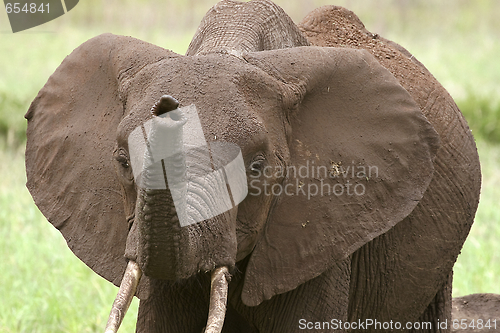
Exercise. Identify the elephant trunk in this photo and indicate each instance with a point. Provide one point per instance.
(168, 250)
(187, 196)
(160, 172)
(159, 233)
(185, 218)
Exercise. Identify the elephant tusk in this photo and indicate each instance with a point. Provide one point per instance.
(124, 297)
(218, 300)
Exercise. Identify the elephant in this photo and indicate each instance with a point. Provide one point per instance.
(476, 313)
(276, 178)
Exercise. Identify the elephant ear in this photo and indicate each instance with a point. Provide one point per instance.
(361, 158)
(71, 136)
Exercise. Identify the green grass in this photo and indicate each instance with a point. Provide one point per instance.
(45, 288)
(477, 268)
(12, 125)
(465, 67)
(483, 114)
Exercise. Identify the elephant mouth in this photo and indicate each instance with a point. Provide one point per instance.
(218, 298)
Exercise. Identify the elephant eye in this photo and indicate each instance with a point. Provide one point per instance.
(123, 161)
(257, 165)
(125, 169)
(122, 158)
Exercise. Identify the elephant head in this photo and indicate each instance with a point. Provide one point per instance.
(292, 158)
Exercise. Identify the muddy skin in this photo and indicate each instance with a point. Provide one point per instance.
(323, 93)
(456, 180)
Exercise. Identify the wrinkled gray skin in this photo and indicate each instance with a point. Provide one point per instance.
(325, 297)
(388, 258)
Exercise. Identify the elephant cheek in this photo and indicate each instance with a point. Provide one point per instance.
(167, 250)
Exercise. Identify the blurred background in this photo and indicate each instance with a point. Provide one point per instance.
(45, 288)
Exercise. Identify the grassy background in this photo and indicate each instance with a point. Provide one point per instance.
(47, 289)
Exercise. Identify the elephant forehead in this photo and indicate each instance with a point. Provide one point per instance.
(211, 83)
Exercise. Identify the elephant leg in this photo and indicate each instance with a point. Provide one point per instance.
(321, 301)
(175, 307)
(438, 312)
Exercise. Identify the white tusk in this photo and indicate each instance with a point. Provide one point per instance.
(124, 297)
(218, 300)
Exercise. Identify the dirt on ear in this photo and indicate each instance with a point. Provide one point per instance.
(334, 26)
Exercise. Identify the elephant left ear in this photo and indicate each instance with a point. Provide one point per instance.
(71, 137)
(361, 158)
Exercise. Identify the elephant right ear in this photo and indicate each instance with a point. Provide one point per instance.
(71, 136)
(360, 159)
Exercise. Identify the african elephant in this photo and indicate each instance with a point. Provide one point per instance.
(360, 175)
